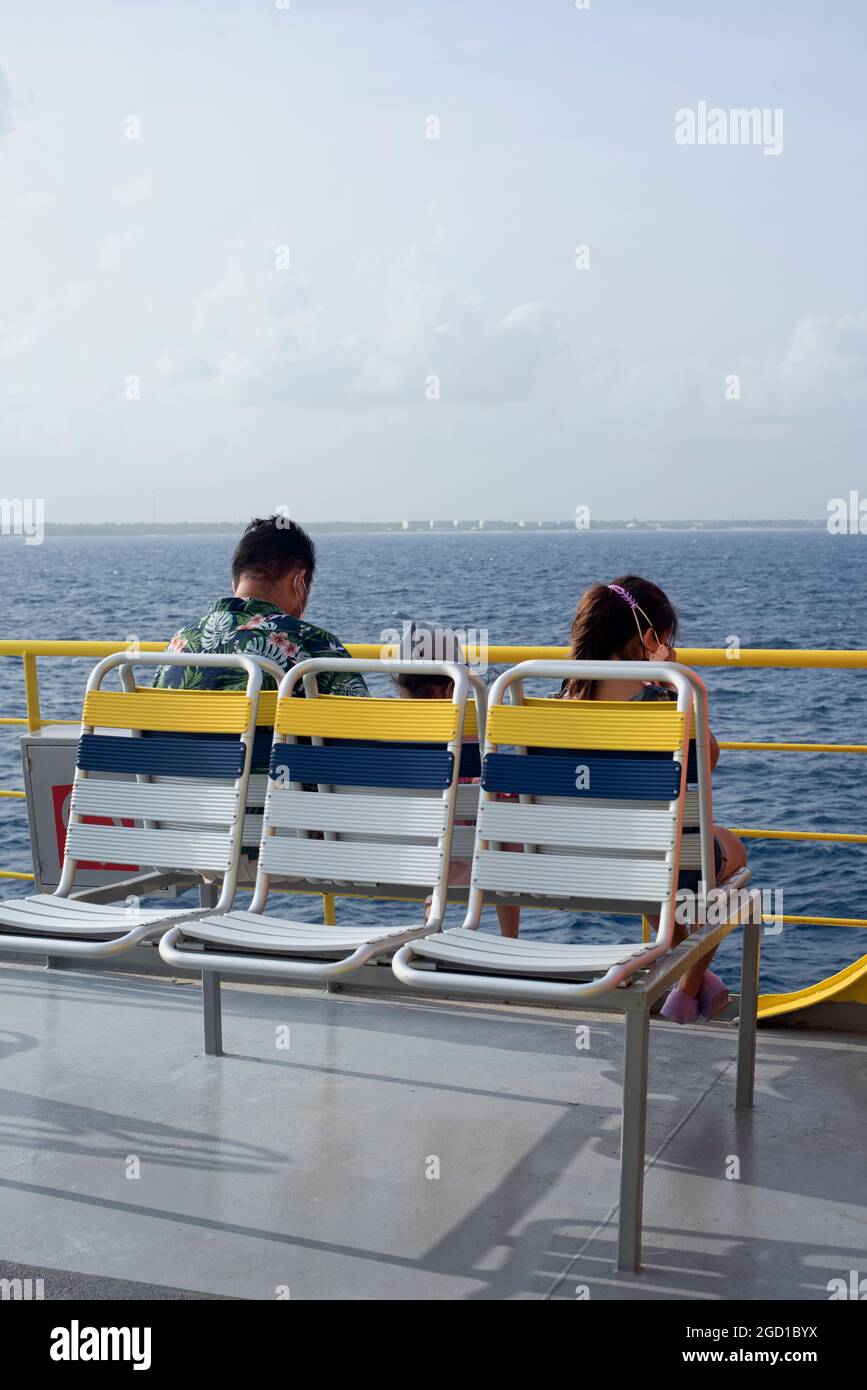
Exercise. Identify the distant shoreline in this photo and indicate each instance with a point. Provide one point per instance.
(226, 528)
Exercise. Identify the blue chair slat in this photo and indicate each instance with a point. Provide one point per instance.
(180, 755)
(262, 743)
(377, 765)
(642, 756)
(625, 777)
(471, 753)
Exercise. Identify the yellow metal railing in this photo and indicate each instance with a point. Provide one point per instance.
(752, 657)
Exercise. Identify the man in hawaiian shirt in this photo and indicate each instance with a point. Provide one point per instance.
(272, 570)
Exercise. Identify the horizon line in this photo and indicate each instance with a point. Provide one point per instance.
(449, 526)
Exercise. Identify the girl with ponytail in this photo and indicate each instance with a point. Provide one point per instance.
(631, 619)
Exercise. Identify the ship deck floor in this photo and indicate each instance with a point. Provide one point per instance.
(307, 1171)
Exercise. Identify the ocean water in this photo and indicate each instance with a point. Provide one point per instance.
(769, 589)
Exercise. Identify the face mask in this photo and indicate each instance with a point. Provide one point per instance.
(662, 653)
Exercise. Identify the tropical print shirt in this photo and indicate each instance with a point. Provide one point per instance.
(261, 629)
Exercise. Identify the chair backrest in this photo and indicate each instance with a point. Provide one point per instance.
(201, 740)
(385, 773)
(467, 797)
(690, 847)
(588, 804)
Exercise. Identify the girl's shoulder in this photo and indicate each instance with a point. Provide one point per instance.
(623, 690)
(618, 690)
(654, 690)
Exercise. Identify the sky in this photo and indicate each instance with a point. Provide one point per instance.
(325, 257)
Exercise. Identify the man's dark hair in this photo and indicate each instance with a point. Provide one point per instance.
(270, 547)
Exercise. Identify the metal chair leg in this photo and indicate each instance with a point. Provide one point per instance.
(213, 1013)
(212, 1010)
(750, 960)
(632, 1139)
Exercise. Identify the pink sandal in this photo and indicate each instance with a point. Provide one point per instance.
(680, 1007)
(713, 996)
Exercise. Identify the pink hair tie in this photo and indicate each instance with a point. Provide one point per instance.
(624, 594)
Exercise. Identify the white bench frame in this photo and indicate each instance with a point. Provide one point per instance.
(144, 925)
(631, 988)
(211, 960)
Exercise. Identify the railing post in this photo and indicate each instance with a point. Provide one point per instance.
(31, 692)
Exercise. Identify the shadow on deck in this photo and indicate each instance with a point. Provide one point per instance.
(406, 1149)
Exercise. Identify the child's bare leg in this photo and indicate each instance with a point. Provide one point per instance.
(510, 921)
(734, 857)
(734, 851)
(510, 917)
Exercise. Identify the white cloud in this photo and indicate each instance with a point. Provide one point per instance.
(178, 367)
(114, 250)
(822, 366)
(133, 191)
(5, 104)
(263, 333)
(826, 356)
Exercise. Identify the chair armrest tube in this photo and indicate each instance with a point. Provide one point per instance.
(77, 950)
(273, 966)
(512, 987)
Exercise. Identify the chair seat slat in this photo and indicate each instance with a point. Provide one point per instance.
(159, 848)
(477, 950)
(378, 815)
(582, 876)
(580, 826)
(154, 801)
(352, 861)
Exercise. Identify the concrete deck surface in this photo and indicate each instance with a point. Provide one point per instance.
(133, 1166)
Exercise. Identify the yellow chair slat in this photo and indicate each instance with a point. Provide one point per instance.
(267, 710)
(617, 724)
(651, 707)
(471, 722)
(181, 711)
(351, 716)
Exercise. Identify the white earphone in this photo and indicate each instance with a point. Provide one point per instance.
(303, 601)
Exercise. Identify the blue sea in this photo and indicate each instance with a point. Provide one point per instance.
(769, 589)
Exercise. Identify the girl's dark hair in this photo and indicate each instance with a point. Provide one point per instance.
(605, 625)
(270, 547)
(443, 644)
(425, 687)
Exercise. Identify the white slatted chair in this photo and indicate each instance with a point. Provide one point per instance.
(362, 838)
(466, 810)
(188, 828)
(602, 788)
